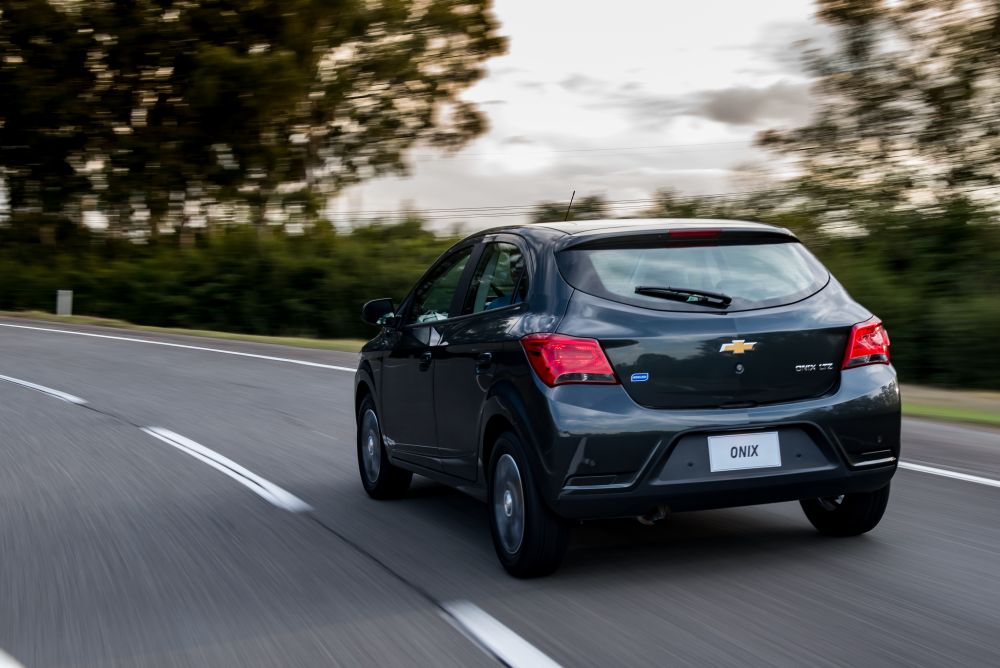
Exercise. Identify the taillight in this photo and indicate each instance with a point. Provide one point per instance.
(559, 359)
(869, 344)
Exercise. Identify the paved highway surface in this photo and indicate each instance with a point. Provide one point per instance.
(241, 536)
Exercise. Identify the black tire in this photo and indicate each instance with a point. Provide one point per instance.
(543, 535)
(847, 515)
(381, 479)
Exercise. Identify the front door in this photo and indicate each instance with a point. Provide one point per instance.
(408, 370)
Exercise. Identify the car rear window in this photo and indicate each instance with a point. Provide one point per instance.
(755, 274)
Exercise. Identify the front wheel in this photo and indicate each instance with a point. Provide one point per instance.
(381, 479)
(530, 540)
(847, 514)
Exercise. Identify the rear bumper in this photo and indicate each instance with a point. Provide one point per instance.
(602, 455)
(703, 495)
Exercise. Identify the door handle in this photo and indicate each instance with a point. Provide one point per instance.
(483, 361)
(425, 359)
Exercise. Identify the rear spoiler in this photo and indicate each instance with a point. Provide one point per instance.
(680, 236)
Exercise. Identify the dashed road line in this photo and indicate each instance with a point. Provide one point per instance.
(286, 360)
(265, 489)
(7, 661)
(45, 390)
(495, 638)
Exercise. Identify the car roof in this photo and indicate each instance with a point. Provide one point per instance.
(576, 227)
(583, 228)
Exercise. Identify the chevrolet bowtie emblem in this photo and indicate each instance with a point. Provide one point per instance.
(737, 346)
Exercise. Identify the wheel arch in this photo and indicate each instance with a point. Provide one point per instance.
(496, 425)
(505, 411)
(364, 386)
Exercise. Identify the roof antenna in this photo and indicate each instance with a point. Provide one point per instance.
(570, 206)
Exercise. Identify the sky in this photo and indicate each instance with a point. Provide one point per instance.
(618, 99)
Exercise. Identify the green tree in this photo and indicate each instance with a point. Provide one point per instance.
(908, 109)
(148, 110)
(592, 207)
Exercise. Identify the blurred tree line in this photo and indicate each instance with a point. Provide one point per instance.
(201, 131)
(229, 279)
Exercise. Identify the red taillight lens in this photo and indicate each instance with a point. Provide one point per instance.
(869, 344)
(559, 359)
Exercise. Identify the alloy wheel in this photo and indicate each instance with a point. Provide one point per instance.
(371, 445)
(508, 503)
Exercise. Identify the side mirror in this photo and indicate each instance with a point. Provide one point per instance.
(379, 312)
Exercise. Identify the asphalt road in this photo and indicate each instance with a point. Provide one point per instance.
(120, 549)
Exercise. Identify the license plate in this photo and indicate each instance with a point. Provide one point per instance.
(744, 451)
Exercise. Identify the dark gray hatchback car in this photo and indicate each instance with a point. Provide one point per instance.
(597, 369)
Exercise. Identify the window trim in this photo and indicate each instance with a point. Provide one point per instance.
(487, 242)
(479, 247)
(463, 282)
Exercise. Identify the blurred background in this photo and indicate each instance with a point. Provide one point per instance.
(267, 166)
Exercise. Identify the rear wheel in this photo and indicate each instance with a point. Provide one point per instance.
(530, 540)
(381, 479)
(847, 514)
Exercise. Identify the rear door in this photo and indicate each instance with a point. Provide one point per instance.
(408, 369)
(473, 343)
(710, 318)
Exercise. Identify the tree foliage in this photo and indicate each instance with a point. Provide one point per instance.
(907, 104)
(165, 111)
(233, 279)
(591, 207)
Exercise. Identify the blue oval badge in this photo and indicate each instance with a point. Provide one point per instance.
(640, 377)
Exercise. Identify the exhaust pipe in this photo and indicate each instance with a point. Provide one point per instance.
(653, 516)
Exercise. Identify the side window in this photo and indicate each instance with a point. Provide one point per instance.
(499, 279)
(432, 298)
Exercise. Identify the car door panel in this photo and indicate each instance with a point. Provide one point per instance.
(463, 375)
(466, 364)
(408, 416)
(407, 398)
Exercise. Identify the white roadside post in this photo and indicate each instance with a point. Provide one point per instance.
(64, 302)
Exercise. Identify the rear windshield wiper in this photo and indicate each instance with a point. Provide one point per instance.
(700, 297)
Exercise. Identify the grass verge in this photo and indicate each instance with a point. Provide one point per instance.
(346, 345)
(952, 413)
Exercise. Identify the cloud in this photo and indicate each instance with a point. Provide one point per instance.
(740, 106)
(744, 105)
(456, 181)
(647, 111)
(781, 45)
(581, 83)
(531, 85)
(516, 140)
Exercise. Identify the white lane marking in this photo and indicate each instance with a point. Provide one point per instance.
(7, 661)
(181, 345)
(945, 473)
(45, 390)
(487, 632)
(265, 489)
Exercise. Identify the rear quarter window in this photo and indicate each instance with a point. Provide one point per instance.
(755, 274)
